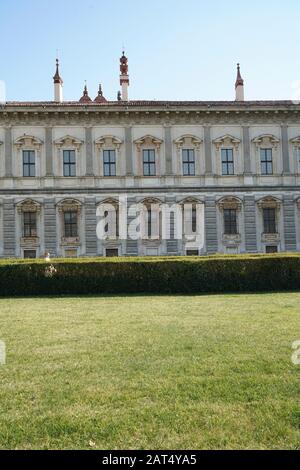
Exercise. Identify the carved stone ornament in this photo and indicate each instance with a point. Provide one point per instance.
(148, 140)
(266, 140)
(68, 141)
(188, 140)
(269, 203)
(230, 203)
(296, 142)
(69, 205)
(108, 141)
(28, 141)
(28, 206)
(227, 141)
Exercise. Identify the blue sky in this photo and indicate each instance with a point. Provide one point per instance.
(181, 50)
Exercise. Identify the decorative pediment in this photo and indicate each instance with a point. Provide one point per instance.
(28, 141)
(108, 141)
(68, 141)
(190, 200)
(295, 142)
(230, 202)
(69, 205)
(269, 202)
(227, 140)
(28, 205)
(266, 140)
(148, 201)
(148, 140)
(188, 140)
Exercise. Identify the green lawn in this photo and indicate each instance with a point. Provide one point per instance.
(202, 372)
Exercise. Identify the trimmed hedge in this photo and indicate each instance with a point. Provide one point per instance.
(214, 274)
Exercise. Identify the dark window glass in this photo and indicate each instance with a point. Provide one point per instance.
(149, 163)
(149, 222)
(70, 224)
(192, 252)
(188, 162)
(194, 219)
(109, 162)
(29, 224)
(227, 162)
(271, 249)
(112, 252)
(269, 215)
(266, 161)
(69, 161)
(28, 163)
(29, 254)
(230, 222)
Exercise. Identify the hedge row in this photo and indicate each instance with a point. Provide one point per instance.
(159, 275)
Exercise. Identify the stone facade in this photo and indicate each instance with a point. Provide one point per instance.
(250, 203)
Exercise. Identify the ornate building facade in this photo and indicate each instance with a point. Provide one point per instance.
(235, 164)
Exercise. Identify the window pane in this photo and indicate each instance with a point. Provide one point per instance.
(269, 216)
(230, 222)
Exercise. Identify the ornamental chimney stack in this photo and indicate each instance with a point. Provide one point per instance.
(124, 77)
(239, 86)
(58, 85)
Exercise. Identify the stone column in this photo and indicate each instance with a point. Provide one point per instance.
(90, 226)
(211, 234)
(168, 150)
(208, 151)
(285, 150)
(289, 223)
(9, 229)
(247, 153)
(50, 224)
(8, 152)
(49, 151)
(250, 224)
(128, 151)
(89, 151)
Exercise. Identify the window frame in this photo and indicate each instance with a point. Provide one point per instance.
(69, 165)
(29, 164)
(230, 223)
(187, 162)
(111, 165)
(268, 222)
(227, 163)
(30, 226)
(68, 226)
(149, 164)
(266, 163)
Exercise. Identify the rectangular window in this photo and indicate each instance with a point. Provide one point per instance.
(111, 252)
(69, 162)
(29, 254)
(29, 224)
(149, 163)
(266, 161)
(230, 222)
(71, 253)
(192, 252)
(227, 162)
(109, 162)
(28, 163)
(188, 162)
(269, 216)
(70, 224)
(271, 249)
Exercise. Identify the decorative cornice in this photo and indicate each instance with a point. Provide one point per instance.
(266, 139)
(269, 202)
(229, 202)
(148, 140)
(296, 142)
(188, 139)
(28, 205)
(28, 141)
(108, 141)
(68, 141)
(227, 140)
(69, 205)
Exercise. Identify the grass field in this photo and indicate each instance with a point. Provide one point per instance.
(200, 372)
